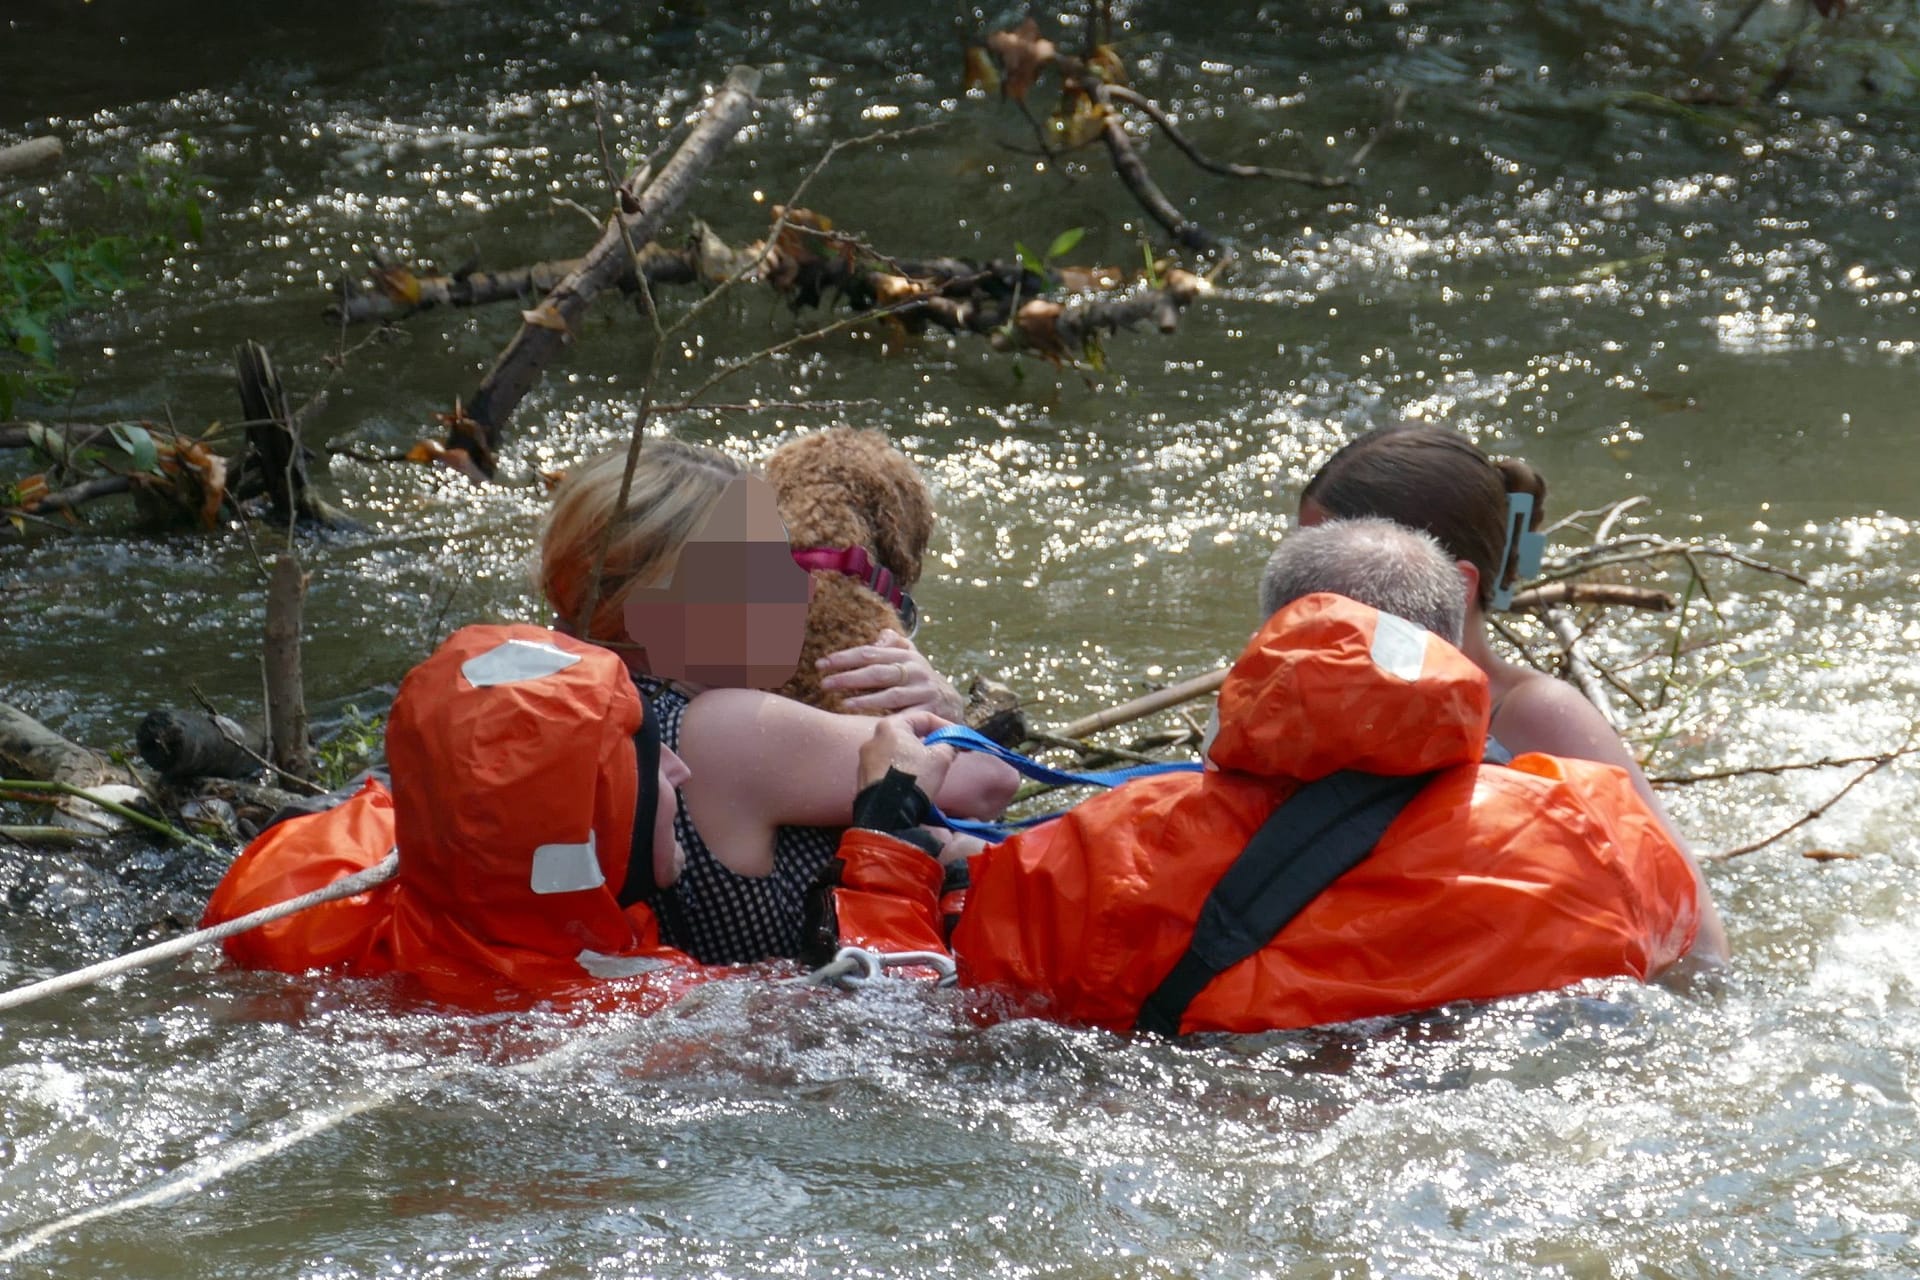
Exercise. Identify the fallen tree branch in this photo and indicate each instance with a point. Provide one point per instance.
(45, 792)
(397, 293)
(276, 458)
(1553, 594)
(29, 748)
(1155, 113)
(72, 498)
(31, 154)
(1133, 174)
(1147, 704)
(551, 324)
(1775, 770)
(1610, 555)
(1810, 814)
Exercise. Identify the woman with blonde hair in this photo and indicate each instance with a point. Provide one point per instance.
(684, 570)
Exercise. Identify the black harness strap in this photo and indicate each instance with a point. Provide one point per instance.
(1321, 832)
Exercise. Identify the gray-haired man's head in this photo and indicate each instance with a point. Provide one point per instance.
(1393, 568)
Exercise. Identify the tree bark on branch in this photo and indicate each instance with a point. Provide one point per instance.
(387, 302)
(548, 327)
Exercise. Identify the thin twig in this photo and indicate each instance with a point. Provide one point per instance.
(1774, 770)
(1653, 549)
(1155, 113)
(1809, 815)
(1381, 130)
(1719, 43)
(43, 792)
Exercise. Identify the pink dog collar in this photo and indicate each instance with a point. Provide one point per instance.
(858, 564)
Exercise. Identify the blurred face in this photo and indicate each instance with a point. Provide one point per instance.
(735, 613)
(669, 859)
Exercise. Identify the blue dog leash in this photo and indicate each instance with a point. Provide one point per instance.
(962, 738)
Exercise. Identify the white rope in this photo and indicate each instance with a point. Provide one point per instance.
(857, 966)
(290, 1131)
(345, 887)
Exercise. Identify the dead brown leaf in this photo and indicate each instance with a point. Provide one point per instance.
(1078, 121)
(980, 72)
(432, 451)
(1106, 60)
(1039, 325)
(545, 316)
(1024, 53)
(398, 283)
(28, 493)
(1088, 279)
(889, 289)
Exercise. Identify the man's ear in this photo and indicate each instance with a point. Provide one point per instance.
(1471, 576)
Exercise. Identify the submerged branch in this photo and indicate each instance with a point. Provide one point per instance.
(1158, 115)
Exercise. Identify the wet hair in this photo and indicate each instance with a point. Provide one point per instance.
(1434, 479)
(674, 486)
(1393, 568)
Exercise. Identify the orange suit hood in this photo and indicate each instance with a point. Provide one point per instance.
(1328, 684)
(512, 808)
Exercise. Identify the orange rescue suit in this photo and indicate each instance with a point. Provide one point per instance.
(1495, 880)
(514, 792)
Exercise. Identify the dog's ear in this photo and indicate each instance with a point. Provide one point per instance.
(903, 523)
(899, 507)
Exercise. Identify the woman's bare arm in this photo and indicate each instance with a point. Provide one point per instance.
(760, 761)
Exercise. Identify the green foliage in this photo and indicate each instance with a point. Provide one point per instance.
(1062, 244)
(47, 274)
(358, 743)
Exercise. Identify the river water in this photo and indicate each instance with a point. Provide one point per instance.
(1711, 307)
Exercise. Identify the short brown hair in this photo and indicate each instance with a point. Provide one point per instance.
(1434, 479)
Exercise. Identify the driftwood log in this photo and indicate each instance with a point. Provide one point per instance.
(549, 326)
(28, 749)
(31, 154)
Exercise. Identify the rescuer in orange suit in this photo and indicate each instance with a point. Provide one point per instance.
(1348, 852)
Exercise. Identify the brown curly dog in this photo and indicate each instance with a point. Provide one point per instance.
(861, 506)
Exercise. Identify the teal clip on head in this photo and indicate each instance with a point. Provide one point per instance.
(1523, 544)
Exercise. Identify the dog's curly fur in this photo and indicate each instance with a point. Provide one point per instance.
(849, 488)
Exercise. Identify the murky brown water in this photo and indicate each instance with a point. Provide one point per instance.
(1714, 309)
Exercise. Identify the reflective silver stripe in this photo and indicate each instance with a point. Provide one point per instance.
(1399, 647)
(601, 965)
(513, 660)
(566, 868)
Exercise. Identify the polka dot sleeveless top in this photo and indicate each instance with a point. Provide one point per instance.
(724, 917)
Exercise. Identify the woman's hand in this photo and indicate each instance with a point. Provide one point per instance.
(896, 744)
(889, 675)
